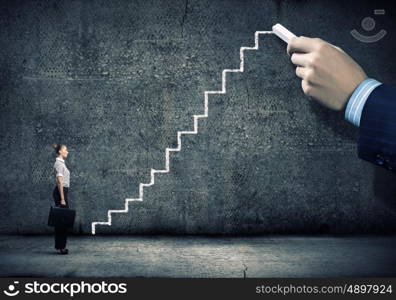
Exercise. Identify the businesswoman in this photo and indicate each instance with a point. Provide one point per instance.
(60, 193)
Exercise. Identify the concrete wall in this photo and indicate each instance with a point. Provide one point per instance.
(116, 80)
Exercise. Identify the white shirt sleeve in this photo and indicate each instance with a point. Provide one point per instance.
(358, 98)
(58, 170)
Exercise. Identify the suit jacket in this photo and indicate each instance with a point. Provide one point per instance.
(377, 131)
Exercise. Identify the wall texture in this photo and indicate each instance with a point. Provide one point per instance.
(116, 80)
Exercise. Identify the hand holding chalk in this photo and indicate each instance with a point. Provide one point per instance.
(328, 74)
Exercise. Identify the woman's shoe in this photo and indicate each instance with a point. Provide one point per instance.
(64, 251)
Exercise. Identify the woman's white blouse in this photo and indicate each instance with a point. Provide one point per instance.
(60, 169)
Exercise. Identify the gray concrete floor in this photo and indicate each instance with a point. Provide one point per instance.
(199, 256)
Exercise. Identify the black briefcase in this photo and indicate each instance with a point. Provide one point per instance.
(61, 216)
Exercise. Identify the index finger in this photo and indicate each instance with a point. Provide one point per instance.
(301, 44)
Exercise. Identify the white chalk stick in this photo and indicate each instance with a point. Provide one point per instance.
(282, 32)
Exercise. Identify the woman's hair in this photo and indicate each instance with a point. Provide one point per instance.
(57, 147)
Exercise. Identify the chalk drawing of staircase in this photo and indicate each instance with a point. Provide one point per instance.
(180, 133)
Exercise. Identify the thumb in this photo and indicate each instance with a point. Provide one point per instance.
(338, 48)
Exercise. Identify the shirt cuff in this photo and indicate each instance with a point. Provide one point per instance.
(59, 174)
(358, 98)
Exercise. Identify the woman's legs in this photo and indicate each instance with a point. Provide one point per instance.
(60, 237)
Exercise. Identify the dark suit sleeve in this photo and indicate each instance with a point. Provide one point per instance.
(377, 131)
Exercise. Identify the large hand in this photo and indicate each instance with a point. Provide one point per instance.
(328, 74)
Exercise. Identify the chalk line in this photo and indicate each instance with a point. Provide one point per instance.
(179, 133)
